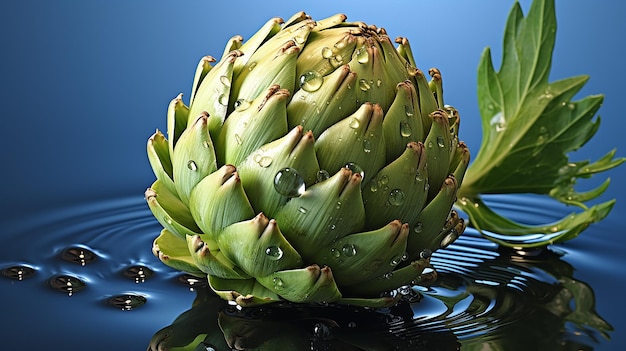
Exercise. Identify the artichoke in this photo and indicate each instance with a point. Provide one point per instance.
(314, 163)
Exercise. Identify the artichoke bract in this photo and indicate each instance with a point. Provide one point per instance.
(314, 163)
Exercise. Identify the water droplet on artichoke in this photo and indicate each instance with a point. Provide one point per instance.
(418, 227)
(224, 80)
(274, 252)
(252, 65)
(440, 141)
(223, 99)
(311, 81)
(302, 210)
(396, 197)
(361, 55)
(238, 139)
(288, 182)
(192, 165)
(205, 144)
(354, 123)
(405, 129)
(265, 161)
(335, 253)
(242, 104)
(348, 250)
(355, 168)
(167, 219)
(449, 238)
(278, 283)
(498, 122)
(395, 260)
(364, 85)
(367, 145)
(327, 52)
(408, 110)
(321, 330)
(373, 185)
(426, 253)
(322, 175)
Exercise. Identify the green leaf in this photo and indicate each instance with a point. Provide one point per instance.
(529, 127)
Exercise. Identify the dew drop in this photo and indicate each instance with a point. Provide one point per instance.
(379, 83)
(426, 253)
(311, 81)
(388, 275)
(335, 253)
(78, 255)
(167, 219)
(274, 253)
(348, 250)
(238, 139)
(288, 182)
(396, 197)
(396, 260)
(265, 161)
(225, 81)
(418, 227)
(223, 99)
(252, 65)
(364, 85)
(405, 129)
(491, 107)
(206, 144)
(301, 35)
(20, 272)
(352, 325)
(327, 52)
(303, 210)
(355, 168)
(354, 123)
(242, 105)
(571, 106)
(322, 175)
(127, 302)
(440, 141)
(66, 284)
(361, 55)
(367, 146)
(278, 283)
(430, 144)
(192, 165)
(419, 177)
(336, 61)
(321, 331)
(373, 185)
(449, 238)
(384, 180)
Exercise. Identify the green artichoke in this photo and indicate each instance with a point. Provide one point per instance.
(314, 163)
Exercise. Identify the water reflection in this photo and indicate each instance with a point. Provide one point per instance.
(485, 298)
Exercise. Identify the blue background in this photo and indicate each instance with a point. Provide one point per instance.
(83, 84)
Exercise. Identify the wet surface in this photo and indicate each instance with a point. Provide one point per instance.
(87, 273)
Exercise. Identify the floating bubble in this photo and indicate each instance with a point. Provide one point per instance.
(127, 302)
(19, 272)
(288, 182)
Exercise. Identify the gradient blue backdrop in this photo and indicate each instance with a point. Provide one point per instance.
(83, 84)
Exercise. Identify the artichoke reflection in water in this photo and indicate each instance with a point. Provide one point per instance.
(314, 163)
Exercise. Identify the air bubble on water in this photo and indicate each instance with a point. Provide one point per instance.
(192, 165)
(405, 129)
(127, 302)
(355, 168)
(78, 255)
(364, 85)
(288, 182)
(327, 52)
(311, 81)
(274, 253)
(348, 250)
(67, 284)
(396, 197)
(138, 273)
(19, 272)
